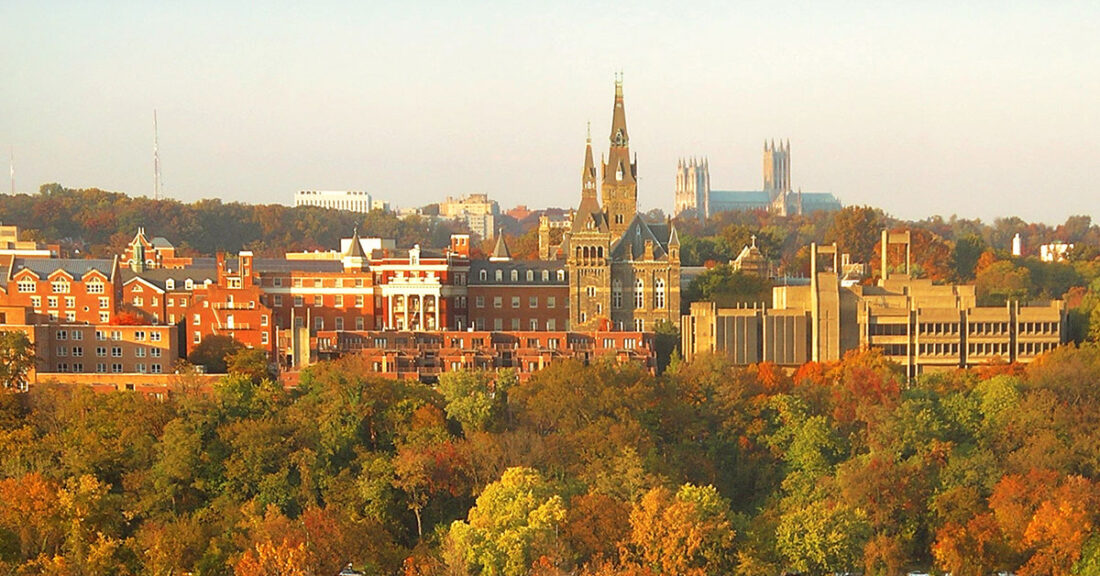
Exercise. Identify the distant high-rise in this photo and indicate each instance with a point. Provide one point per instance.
(350, 200)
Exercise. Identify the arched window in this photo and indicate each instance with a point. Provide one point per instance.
(515, 275)
(639, 293)
(483, 275)
(659, 294)
(530, 275)
(545, 275)
(499, 275)
(561, 275)
(616, 294)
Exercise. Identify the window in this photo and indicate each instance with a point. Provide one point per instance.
(154, 352)
(78, 335)
(263, 338)
(514, 275)
(51, 301)
(36, 301)
(189, 284)
(639, 324)
(100, 367)
(277, 281)
(318, 323)
(183, 302)
(116, 368)
(590, 291)
(639, 293)
(169, 284)
(498, 302)
(70, 302)
(70, 316)
(263, 320)
(139, 352)
(62, 351)
(104, 317)
(530, 275)
(298, 302)
(154, 368)
(196, 337)
(479, 301)
(551, 301)
(195, 320)
(318, 283)
(659, 293)
(60, 286)
(359, 323)
(277, 300)
(339, 301)
(104, 302)
(515, 323)
(498, 324)
(360, 301)
(584, 317)
(318, 300)
(534, 324)
(339, 323)
(154, 336)
(27, 286)
(101, 351)
(137, 288)
(62, 335)
(139, 335)
(616, 294)
(499, 275)
(116, 352)
(100, 335)
(515, 301)
(533, 302)
(481, 275)
(561, 275)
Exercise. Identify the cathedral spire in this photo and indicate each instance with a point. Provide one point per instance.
(619, 186)
(588, 173)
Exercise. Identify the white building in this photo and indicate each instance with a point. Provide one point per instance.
(351, 200)
(476, 210)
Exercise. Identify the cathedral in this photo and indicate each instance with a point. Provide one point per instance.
(624, 272)
(694, 196)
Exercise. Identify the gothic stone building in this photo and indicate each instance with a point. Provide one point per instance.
(623, 272)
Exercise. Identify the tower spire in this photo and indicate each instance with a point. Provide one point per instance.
(619, 187)
(156, 160)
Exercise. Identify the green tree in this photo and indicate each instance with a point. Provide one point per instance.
(476, 399)
(214, 352)
(16, 359)
(517, 520)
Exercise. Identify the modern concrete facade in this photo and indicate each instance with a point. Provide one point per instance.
(922, 326)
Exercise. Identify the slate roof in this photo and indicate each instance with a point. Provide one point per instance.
(159, 276)
(521, 266)
(631, 246)
(77, 268)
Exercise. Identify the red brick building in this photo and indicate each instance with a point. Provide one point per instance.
(425, 355)
(62, 290)
(516, 295)
(231, 306)
(421, 289)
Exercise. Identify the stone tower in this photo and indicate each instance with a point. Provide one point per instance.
(693, 187)
(620, 185)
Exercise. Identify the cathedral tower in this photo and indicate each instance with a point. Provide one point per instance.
(620, 186)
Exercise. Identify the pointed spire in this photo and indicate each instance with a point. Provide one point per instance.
(619, 136)
(588, 173)
(673, 237)
(355, 249)
(501, 252)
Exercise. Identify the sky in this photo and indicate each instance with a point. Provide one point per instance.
(980, 109)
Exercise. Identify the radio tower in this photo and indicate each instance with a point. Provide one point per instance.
(156, 160)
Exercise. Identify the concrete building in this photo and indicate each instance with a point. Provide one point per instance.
(477, 211)
(922, 326)
(350, 200)
(695, 197)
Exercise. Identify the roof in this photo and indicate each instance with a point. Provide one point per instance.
(501, 252)
(520, 266)
(631, 246)
(43, 267)
(161, 242)
(159, 276)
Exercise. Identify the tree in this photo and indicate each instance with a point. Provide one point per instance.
(1001, 282)
(16, 359)
(822, 537)
(688, 533)
(214, 351)
(476, 399)
(856, 229)
(967, 251)
(516, 520)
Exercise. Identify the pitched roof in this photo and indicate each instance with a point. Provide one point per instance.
(501, 252)
(631, 246)
(76, 268)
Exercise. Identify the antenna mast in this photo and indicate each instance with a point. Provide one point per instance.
(156, 160)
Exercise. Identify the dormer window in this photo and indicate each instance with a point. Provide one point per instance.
(619, 173)
(189, 284)
(170, 284)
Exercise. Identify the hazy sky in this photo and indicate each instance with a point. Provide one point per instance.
(980, 109)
